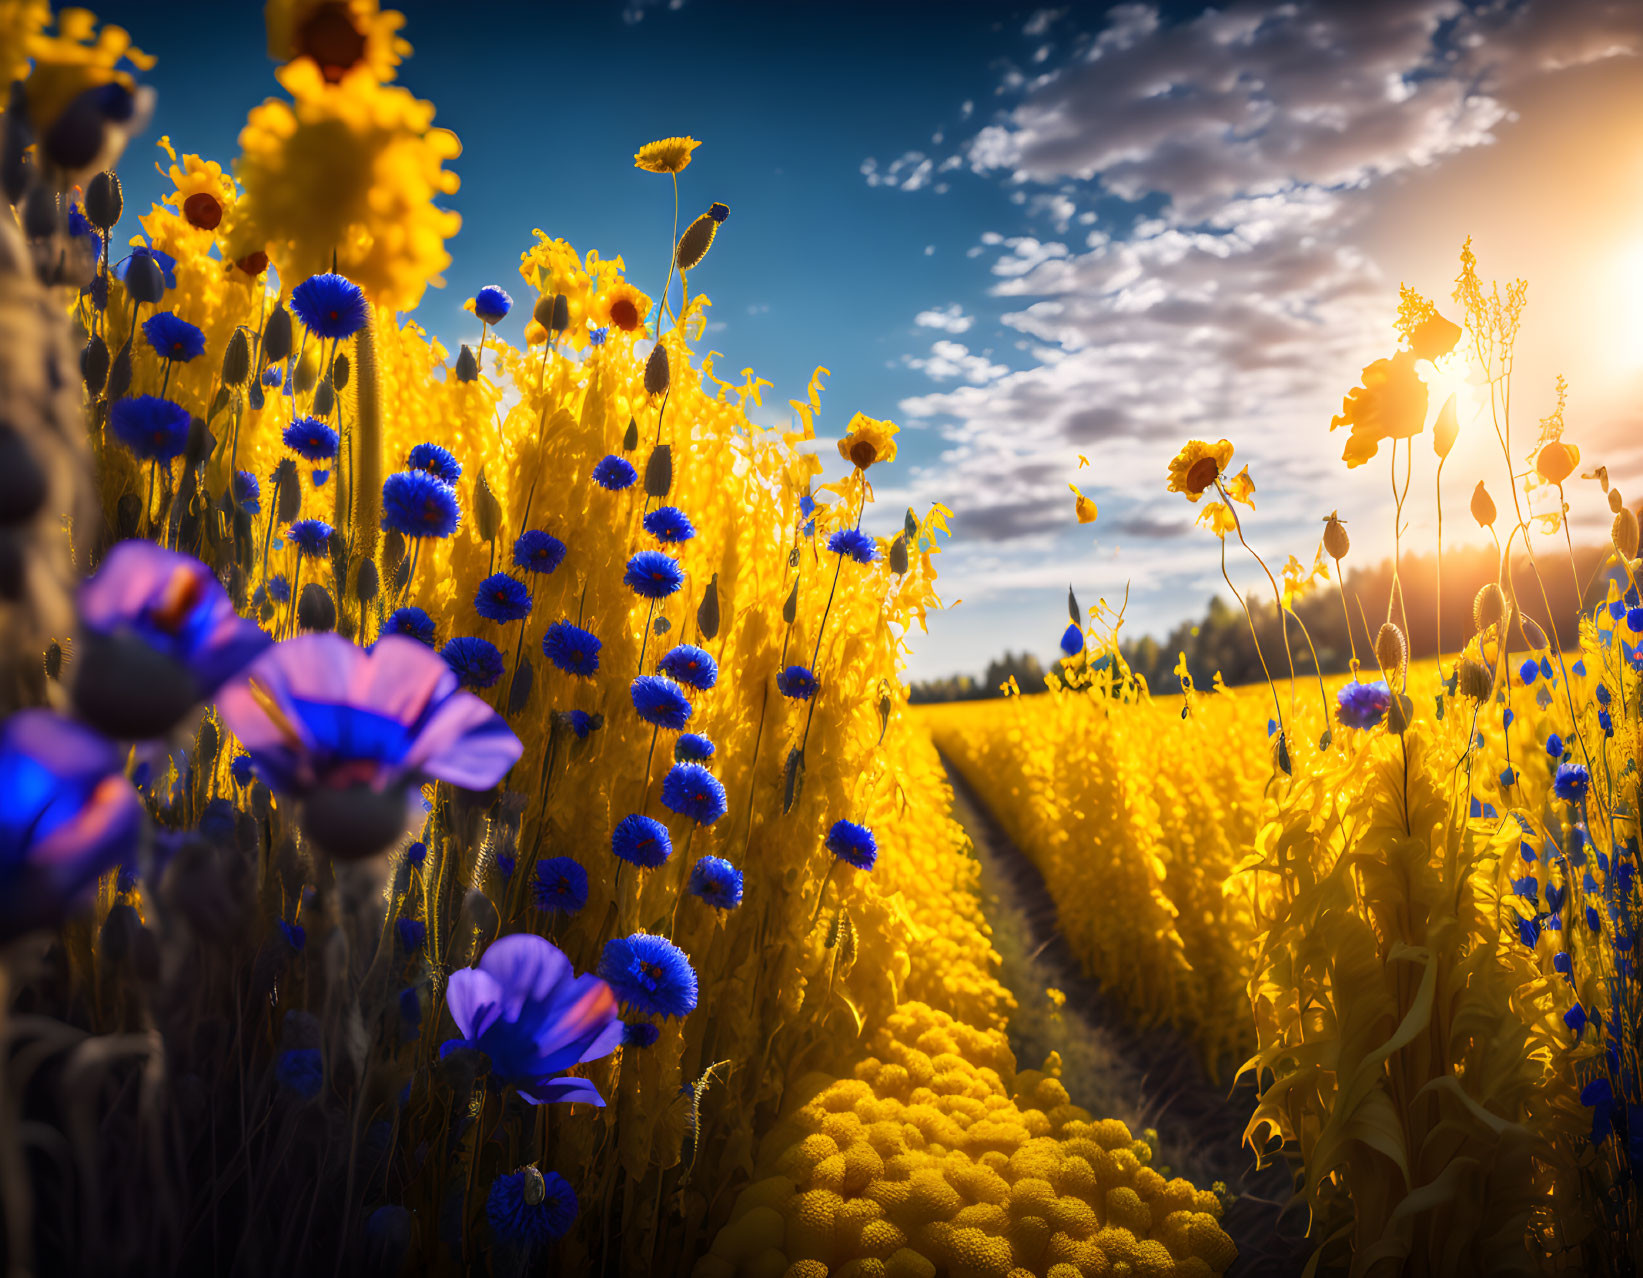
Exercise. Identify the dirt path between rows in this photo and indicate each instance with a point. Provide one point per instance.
(1148, 1079)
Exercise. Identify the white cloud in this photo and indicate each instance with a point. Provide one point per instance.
(634, 10)
(909, 172)
(949, 361)
(949, 319)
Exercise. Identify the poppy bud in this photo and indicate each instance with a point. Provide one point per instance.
(236, 360)
(287, 490)
(1391, 651)
(535, 1188)
(367, 582)
(630, 437)
(519, 691)
(201, 443)
(898, 555)
(1474, 680)
(1488, 607)
(325, 399)
(1072, 607)
(305, 375)
(695, 242)
(276, 336)
(659, 471)
(1483, 506)
(467, 367)
(792, 778)
(561, 313)
(54, 660)
(790, 609)
(145, 282)
(1446, 428)
(119, 374)
(542, 312)
(316, 610)
(94, 366)
(707, 612)
(656, 370)
(353, 822)
(487, 509)
(1336, 542)
(22, 481)
(1400, 713)
(339, 372)
(1623, 532)
(104, 201)
(76, 135)
(255, 399)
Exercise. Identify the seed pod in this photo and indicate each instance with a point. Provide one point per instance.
(94, 366)
(22, 481)
(210, 743)
(1445, 428)
(707, 612)
(792, 778)
(276, 336)
(1392, 651)
(561, 313)
(695, 242)
(305, 374)
(542, 312)
(393, 552)
(659, 470)
(1400, 713)
(236, 360)
(119, 374)
(790, 609)
(1533, 635)
(898, 555)
(1488, 607)
(519, 691)
(145, 282)
(104, 201)
(1336, 542)
(487, 509)
(339, 372)
(656, 371)
(316, 610)
(366, 581)
(467, 367)
(630, 437)
(325, 399)
(54, 660)
(287, 490)
(1623, 532)
(1474, 680)
(255, 398)
(1483, 506)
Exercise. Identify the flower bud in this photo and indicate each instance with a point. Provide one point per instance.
(287, 490)
(542, 312)
(561, 313)
(1400, 713)
(487, 509)
(1488, 607)
(145, 282)
(306, 374)
(276, 336)
(1474, 680)
(104, 201)
(656, 370)
(1392, 651)
(519, 691)
(325, 399)
(1623, 532)
(236, 360)
(1446, 428)
(898, 555)
(40, 212)
(695, 242)
(659, 470)
(367, 582)
(1336, 542)
(339, 372)
(630, 437)
(707, 612)
(94, 366)
(467, 367)
(1533, 635)
(1483, 506)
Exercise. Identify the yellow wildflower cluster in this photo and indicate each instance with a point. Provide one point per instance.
(937, 1157)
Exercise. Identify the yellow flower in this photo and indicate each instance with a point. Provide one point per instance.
(620, 306)
(1556, 461)
(1430, 336)
(1084, 507)
(21, 22)
(1390, 404)
(337, 35)
(1298, 579)
(204, 192)
(1241, 488)
(77, 58)
(351, 169)
(1197, 466)
(868, 440)
(670, 155)
(1218, 515)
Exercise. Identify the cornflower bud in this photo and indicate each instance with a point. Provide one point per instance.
(656, 371)
(467, 367)
(236, 360)
(276, 336)
(94, 366)
(1392, 651)
(1336, 542)
(104, 201)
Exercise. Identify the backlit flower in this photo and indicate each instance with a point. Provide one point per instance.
(411, 622)
(529, 1209)
(615, 473)
(439, 462)
(537, 551)
(1571, 782)
(154, 429)
(416, 504)
(668, 525)
(692, 666)
(502, 598)
(868, 440)
(1555, 462)
(67, 816)
(476, 662)
(1389, 404)
(692, 747)
(641, 840)
(173, 338)
(621, 306)
(353, 734)
(717, 882)
(853, 843)
(524, 1007)
(797, 682)
(331, 306)
(561, 885)
(854, 544)
(1362, 705)
(650, 974)
(669, 155)
(653, 575)
(160, 636)
(1194, 470)
(1083, 507)
(571, 649)
(492, 304)
(247, 492)
(692, 791)
(660, 702)
(311, 537)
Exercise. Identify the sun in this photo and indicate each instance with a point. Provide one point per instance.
(1625, 287)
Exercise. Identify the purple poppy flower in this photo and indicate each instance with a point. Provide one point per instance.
(524, 1007)
(160, 636)
(1362, 705)
(67, 816)
(353, 734)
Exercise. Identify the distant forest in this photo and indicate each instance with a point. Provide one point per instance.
(1220, 639)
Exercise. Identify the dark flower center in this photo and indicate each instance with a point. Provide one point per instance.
(330, 38)
(202, 210)
(1202, 474)
(624, 314)
(253, 263)
(863, 453)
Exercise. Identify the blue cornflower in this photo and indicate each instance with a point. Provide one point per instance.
(413, 621)
(650, 974)
(641, 840)
(692, 791)
(807, 512)
(640, 1034)
(492, 304)
(154, 429)
(581, 723)
(692, 666)
(279, 588)
(319, 477)
(418, 505)
(1554, 746)
(439, 462)
(272, 376)
(300, 1070)
(295, 934)
(476, 662)
(652, 575)
(240, 769)
(1601, 692)
(524, 1007)
(660, 702)
(598, 336)
(1571, 782)
(561, 885)
(1575, 1019)
(855, 544)
(1529, 670)
(797, 682)
(1362, 705)
(717, 882)
(311, 537)
(614, 473)
(669, 525)
(526, 1220)
(330, 305)
(571, 649)
(412, 933)
(502, 598)
(311, 439)
(853, 843)
(247, 492)
(1072, 640)
(538, 551)
(1634, 618)
(692, 747)
(173, 338)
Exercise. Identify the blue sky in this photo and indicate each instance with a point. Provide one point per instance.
(1028, 234)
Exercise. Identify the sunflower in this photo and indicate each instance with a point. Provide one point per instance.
(1198, 465)
(670, 155)
(868, 440)
(337, 35)
(620, 306)
(1390, 404)
(354, 169)
(204, 192)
